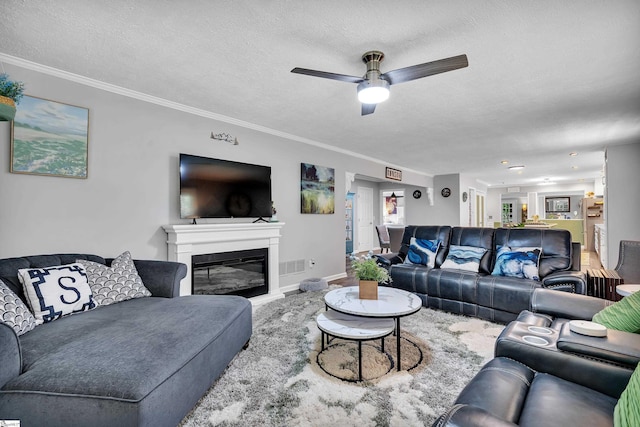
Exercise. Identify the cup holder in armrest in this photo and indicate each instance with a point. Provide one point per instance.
(533, 340)
(540, 330)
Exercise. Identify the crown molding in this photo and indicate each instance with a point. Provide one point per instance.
(76, 78)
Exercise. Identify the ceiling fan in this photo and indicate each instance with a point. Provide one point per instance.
(373, 87)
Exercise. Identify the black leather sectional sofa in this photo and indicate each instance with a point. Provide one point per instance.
(571, 380)
(481, 294)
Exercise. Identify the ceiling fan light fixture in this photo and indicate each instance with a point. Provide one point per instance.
(373, 91)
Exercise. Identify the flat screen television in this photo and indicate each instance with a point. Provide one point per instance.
(215, 188)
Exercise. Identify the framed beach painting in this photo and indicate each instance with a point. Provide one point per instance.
(50, 138)
(317, 188)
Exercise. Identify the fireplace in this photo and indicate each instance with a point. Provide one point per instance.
(242, 273)
(186, 241)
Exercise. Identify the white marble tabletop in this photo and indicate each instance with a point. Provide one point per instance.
(626, 290)
(391, 302)
(353, 327)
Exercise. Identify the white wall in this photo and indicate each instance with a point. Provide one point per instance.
(133, 183)
(622, 197)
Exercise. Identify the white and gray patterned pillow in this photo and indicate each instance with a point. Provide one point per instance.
(117, 283)
(53, 292)
(14, 312)
(464, 258)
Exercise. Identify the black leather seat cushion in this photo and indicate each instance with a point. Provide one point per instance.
(508, 294)
(513, 392)
(552, 401)
(410, 277)
(456, 285)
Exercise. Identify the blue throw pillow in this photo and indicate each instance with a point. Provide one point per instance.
(422, 251)
(464, 258)
(517, 262)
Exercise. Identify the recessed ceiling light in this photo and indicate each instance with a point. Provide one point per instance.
(574, 167)
(504, 162)
(547, 183)
(516, 168)
(573, 154)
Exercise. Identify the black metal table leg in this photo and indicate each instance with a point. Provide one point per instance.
(359, 360)
(382, 345)
(398, 339)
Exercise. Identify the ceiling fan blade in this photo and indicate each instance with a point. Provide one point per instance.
(427, 69)
(368, 109)
(324, 74)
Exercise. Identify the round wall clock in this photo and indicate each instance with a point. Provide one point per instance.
(464, 196)
(417, 194)
(446, 192)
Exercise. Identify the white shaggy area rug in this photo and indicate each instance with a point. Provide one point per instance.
(276, 381)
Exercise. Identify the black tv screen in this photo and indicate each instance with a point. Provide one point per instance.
(214, 188)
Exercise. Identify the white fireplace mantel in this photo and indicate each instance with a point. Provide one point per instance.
(196, 239)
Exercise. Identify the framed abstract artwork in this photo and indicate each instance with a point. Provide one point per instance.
(317, 189)
(50, 138)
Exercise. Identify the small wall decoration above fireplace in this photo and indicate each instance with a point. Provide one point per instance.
(50, 138)
(317, 189)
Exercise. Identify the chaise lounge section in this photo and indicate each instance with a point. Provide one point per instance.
(140, 362)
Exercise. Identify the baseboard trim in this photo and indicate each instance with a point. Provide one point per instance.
(296, 286)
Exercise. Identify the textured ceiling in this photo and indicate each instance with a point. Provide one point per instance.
(545, 78)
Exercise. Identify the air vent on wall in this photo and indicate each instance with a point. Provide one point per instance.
(292, 267)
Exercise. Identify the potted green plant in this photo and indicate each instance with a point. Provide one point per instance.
(369, 275)
(10, 94)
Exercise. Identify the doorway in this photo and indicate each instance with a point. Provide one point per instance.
(364, 214)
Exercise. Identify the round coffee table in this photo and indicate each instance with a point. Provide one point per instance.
(353, 328)
(391, 303)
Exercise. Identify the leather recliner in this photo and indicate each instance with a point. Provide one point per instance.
(574, 380)
(508, 393)
(569, 354)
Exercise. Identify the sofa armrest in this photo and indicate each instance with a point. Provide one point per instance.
(162, 278)
(10, 354)
(389, 259)
(466, 415)
(622, 348)
(568, 281)
(566, 305)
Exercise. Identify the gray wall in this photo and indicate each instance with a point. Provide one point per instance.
(622, 197)
(445, 210)
(416, 210)
(133, 183)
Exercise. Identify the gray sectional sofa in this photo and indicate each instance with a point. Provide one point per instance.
(140, 362)
(481, 294)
